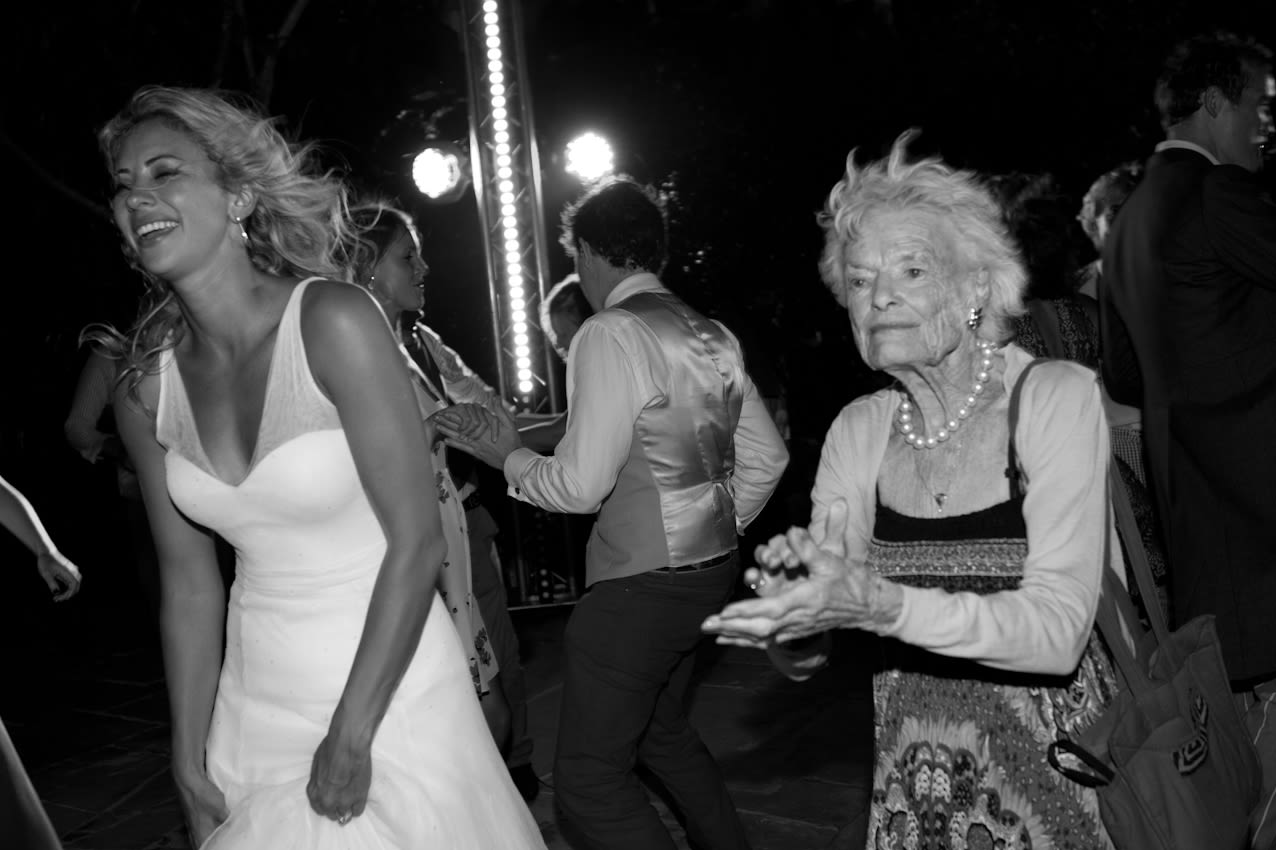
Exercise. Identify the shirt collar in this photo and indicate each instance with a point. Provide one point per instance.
(1180, 144)
(630, 286)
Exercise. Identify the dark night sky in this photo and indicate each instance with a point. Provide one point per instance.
(747, 109)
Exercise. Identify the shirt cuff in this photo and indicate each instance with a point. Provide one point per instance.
(515, 467)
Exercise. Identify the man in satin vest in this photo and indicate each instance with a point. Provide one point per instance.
(669, 441)
(1188, 315)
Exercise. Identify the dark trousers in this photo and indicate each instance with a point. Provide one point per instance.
(630, 648)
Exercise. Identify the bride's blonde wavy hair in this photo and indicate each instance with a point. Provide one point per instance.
(299, 227)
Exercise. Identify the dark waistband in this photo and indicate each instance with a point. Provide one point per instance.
(699, 565)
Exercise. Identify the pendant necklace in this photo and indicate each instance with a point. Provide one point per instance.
(940, 497)
(912, 435)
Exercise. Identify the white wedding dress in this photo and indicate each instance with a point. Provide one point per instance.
(308, 549)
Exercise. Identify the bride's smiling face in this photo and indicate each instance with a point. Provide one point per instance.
(168, 202)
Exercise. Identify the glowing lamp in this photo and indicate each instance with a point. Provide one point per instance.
(440, 171)
(589, 157)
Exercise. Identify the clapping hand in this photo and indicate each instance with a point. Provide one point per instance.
(62, 576)
(489, 434)
(792, 604)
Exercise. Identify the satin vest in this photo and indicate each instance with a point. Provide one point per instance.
(671, 505)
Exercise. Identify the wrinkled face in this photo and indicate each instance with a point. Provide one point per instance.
(170, 208)
(900, 290)
(1245, 127)
(399, 276)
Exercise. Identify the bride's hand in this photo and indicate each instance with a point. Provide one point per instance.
(340, 777)
(203, 804)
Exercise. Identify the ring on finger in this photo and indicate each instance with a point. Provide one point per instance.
(345, 819)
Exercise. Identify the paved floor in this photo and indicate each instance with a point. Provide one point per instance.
(94, 738)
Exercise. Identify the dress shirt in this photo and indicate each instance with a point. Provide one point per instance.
(1171, 144)
(610, 380)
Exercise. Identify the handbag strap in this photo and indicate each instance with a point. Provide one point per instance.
(1012, 456)
(1132, 537)
(1116, 614)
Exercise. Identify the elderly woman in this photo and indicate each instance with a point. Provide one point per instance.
(959, 514)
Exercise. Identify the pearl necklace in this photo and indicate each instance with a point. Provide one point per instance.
(904, 414)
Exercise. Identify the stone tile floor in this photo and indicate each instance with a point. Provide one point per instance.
(795, 755)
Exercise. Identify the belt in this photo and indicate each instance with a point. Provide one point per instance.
(472, 501)
(699, 565)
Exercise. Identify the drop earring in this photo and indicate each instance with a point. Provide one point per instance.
(243, 231)
(975, 319)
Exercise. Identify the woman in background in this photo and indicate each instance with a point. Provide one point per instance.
(392, 269)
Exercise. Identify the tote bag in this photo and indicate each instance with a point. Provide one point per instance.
(1170, 758)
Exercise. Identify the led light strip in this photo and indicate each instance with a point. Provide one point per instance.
(514, 282)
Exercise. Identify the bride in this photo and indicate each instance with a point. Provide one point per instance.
(266, 402)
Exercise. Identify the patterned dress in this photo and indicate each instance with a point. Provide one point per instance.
(456, 584)
(961, 747)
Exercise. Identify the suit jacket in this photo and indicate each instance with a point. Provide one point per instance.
(1188, 322)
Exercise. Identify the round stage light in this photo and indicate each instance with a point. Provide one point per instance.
(589, 157)
(439, 171)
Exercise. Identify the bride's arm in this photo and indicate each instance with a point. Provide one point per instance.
(356, 362)
(192, 610)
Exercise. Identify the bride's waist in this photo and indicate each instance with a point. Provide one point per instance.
(308, 578)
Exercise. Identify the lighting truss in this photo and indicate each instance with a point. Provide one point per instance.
(505, 166)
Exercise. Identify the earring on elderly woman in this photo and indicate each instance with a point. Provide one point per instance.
(243, 231)
(975, 319)
(904, 414)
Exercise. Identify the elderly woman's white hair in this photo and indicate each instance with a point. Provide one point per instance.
(928, 185)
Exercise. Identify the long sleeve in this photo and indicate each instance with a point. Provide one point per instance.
(606, 393)
(92, 394)
(848, 469)
(1120, 366)
(760, 454)
(1043, 625)
(460, 382)
(1241, 222)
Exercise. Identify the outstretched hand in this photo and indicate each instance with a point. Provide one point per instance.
(794, 603)
(62, 576)
(489, 434)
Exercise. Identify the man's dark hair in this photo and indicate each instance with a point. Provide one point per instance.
(623, 222)
(1220, 59)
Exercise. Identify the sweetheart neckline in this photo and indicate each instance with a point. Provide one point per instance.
(253, 469)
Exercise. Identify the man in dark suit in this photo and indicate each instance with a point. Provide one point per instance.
(1188, 314)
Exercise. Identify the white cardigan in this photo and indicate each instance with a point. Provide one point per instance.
(1062, 443)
